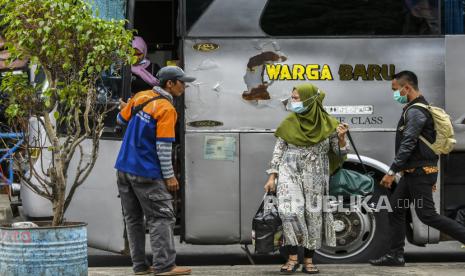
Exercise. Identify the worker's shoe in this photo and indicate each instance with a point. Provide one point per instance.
(176, 270)
(390, 259)
(149, 270)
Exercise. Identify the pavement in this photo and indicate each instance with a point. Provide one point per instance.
(446, 258)
(423, 269)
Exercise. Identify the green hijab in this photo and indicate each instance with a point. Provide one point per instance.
(312, 126)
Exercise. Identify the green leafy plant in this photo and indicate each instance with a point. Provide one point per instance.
(67, 43)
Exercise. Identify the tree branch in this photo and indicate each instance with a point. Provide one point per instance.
(36, 189)
(75, 141)
(57, 175)
(78, 181)
(98, 127)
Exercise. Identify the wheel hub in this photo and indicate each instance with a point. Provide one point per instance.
(339, 225)
(355, 230)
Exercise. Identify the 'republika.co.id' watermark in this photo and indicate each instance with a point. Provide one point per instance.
(354, 202)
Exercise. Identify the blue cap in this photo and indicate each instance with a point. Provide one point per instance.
(173, 73)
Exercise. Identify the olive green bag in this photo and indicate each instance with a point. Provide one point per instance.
(346, 182)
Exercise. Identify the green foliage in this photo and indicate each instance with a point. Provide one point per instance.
(21, 95)
(70, 44)
(72, 48)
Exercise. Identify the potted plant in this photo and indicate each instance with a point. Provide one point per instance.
(71, 48)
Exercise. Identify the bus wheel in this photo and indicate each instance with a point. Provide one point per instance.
(360, 235)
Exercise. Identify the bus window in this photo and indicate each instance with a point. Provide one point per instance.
(355, 17)
(453, 16)
(155, 21)
(194, 9)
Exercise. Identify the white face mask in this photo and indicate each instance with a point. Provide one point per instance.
(298, 107)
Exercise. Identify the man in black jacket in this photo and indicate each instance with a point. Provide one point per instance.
(418, 165)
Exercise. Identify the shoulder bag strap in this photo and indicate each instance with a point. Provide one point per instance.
(141, 106)
(356, 152)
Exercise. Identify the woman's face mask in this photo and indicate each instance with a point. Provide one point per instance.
(298, 106)
(139, 55)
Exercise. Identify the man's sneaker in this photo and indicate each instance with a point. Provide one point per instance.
(389, 260)
(176, 270)
(149, 270)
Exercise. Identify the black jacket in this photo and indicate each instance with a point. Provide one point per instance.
(411, 152)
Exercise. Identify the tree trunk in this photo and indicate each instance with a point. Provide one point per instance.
(58, 208)
(58, 174)
(59, 194)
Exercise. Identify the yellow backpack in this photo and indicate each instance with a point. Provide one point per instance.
(445, 140)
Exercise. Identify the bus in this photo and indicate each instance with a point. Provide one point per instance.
(247, 56)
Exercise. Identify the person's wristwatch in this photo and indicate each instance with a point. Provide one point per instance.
(391, 173)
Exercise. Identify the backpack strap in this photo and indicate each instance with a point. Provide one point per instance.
(141, 106)
(415, 104)
(422, 138)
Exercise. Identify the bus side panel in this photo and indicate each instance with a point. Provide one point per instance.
(228, 68)
(453, 174)
(97, 201)
(212, 189)
(455, 82)
(256, 154)
(352, 73)
(455, 86)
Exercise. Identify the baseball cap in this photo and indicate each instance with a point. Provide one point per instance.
(173, 73)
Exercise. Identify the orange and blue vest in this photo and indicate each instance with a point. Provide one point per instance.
(155, 122)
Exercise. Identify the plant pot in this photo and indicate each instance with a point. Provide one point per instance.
(44, 250)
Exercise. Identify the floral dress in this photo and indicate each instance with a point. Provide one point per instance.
(303, 180)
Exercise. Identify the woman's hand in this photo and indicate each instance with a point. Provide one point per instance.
(270, 185)
(342, 129)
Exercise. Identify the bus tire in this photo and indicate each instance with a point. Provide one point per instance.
(373, 243)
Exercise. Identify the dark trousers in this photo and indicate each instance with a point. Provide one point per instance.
(142, 197)
(294, 250)
(417, 189)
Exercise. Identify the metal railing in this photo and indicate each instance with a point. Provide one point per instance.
(6, 154)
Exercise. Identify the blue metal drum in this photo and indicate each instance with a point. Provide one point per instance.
(47, 251)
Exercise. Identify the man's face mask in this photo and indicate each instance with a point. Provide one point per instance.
(399, 98)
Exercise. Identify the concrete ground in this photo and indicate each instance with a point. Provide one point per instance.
(447, 258)
(423, 269)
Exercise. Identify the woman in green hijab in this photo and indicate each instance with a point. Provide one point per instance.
(303, 158)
